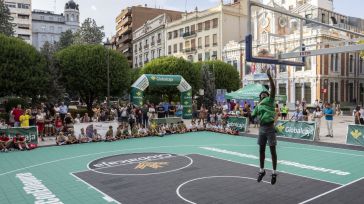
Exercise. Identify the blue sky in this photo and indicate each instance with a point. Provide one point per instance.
(105, 11)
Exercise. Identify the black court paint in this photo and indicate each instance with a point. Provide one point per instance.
(161, 188)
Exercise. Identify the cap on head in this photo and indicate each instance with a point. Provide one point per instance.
(261, 95)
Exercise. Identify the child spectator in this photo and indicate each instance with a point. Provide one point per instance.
(82, 137)
(109, 136)
(96, 137)
(71, 137)
(20, 142)
(119, 133)
(61, 139)
(5, 143)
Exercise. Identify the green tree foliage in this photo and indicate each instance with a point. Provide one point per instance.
(84, 70)
(22, 69)
(66, 39)
(6, 26)
(226, 76)
(208, 85)
(173, 66)
(89, 33)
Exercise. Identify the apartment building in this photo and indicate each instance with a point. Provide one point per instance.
(149, 40)
(21, 11)
(129, 20)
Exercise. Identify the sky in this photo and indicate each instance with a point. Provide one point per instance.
(105, 11)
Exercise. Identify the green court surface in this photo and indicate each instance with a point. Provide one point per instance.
(53, 166)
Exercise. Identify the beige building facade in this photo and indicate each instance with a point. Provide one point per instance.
(21, 11)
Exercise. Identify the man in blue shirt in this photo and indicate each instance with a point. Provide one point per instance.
(63, 110)
(166, 108)
(329, 116)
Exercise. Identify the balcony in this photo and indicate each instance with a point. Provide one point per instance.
(207, 45)
(126, 21)
(214, 44)
(159, 41)
(125, 30)
(146, 46)
(200, 47)
(127, 54)
(190, 50)
(152, 44)
(125, 48)
(191, 34)
(125, 38)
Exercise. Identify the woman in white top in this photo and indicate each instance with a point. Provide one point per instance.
(316, 116)
(151, 112)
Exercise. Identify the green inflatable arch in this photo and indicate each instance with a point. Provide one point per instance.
(146, 80)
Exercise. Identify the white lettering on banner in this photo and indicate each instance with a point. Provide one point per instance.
(234, 124)
(298, 131)
(35, 187)
(288, 163)
(133, 160)
(164, 79)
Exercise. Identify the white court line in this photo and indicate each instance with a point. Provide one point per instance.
(253, 165)
(330, 191)
(106, 197)
(208, 177)
(127, 163)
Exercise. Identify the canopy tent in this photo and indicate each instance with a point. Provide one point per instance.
(249, 92)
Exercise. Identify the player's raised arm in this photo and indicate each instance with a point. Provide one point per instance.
(272, 85)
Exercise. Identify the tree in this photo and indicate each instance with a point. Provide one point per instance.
(226, 76)
(173, 66)
(55, 90)
(89, 33)
(6, 26)
(66, 39)
(208, 79)
(362, 52)
(84, 70)
(22, 69)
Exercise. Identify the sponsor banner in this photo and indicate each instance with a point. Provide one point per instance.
(101, 127)
(142, 83)
(296, 130)
(137, 96)
(30, 133)
(186, 101)
(183, 86)
(238, 123)
(355, 135)
(163, 80)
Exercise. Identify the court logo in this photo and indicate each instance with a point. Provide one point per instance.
(280, 128)
(152, 165)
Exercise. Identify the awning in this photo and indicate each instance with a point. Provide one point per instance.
(249, 92)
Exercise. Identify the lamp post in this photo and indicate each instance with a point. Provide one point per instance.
(108, 45)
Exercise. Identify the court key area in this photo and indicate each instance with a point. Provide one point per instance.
(200, 167)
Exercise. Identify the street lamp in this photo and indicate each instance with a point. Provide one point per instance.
(108, 46)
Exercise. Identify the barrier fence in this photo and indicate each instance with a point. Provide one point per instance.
(30, 133)
(355, 135)
(238, 123)
(298, 130)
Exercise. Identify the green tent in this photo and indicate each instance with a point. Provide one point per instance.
(249, 92)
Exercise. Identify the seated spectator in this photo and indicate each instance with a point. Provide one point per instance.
(153, 129)
(126, 134)
(61, 139)
(134, 131)
(183, 128)
(119, 133)
(109, 136)
(143, 132)
(5, 143)
(192, 127)
(20, 142)
(3, 125)
(82, 137)
(71, 137)
(96, 137)
(200, 126)
(161, 130)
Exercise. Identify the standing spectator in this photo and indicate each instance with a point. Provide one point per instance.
(316, 116)
(297, 115)
(17, 112)
(124, 114)
(171, 110)
(166, 108)
(203, 113)
(194, 110)
(305, 114)
(85, 118)
(225, 107)
(132, 118)
(63, 110)
(284, 112)
(33, 119)
(58, 124)
(24, 119)
(179, 109)
(361, 116)
(151, 112)
(357, 115)
(277, 111)
(329, 116)
(11, 118)
(40, 120)
(321, 105)
(298, 103)
(49, 126)
(316, 103)
(160, 111)
(56, 109)
(78, 118)
(68, 122)
(145, 117)
(303, 104)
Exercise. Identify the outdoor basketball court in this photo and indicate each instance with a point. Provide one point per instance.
(198, 167)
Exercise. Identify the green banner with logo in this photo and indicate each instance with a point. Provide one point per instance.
(186, 101)
(137, 96)
(30, 133)
(163, 80)
(238, 123)
(355, 135)
(297, 130)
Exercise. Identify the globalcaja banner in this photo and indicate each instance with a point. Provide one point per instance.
(297, 130)
(30, 133)
(137, 96)
(163, 80)
(238, 123)
(355, 135)
(186, 101)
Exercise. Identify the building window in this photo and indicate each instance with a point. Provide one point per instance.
(299, 69)
(199, 42)
(159, 39)
(169, 35)
(51, 18)
(361, 65)
(207, 41)
(308, 63)
(193, 29)
(235, 64)
(181, 47)
(152, 41)
(298, 91)
(43, 28)
(175, 34)
(351, 63)
(181, 32)
(207, 56)
(214, 57)
(282, 90)
(136, 48)
(187, 29)
(21, 16)
(77, 18)
(187, 45)
(193, 44)
(42, 18)
(68, 17)
(214, 39)
(23, 6)
(207, 25)
(199, 57)
(336, 62)
(159, 52)
(60, 29)
(307, 93)
(215, 23)
(152, 54)
(199, 27)
(282, 68)
(169, 49)
(175, 48)
(72, 17)
(51, 28)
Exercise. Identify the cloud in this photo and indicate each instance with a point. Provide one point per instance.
(93, 7)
